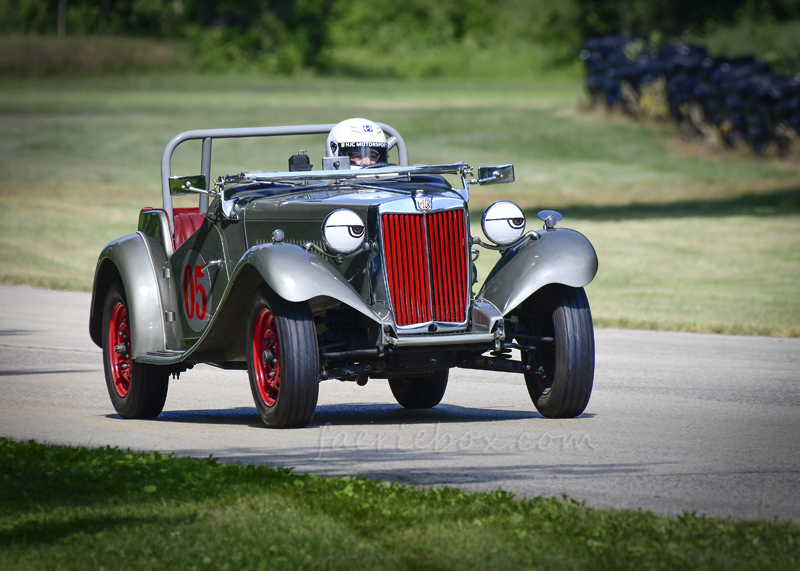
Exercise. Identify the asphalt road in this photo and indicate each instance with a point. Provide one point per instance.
(677, 421)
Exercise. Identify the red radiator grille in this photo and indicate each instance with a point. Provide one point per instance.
(426, 266)
(448, 244)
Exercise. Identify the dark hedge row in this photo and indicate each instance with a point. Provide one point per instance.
(735, 100)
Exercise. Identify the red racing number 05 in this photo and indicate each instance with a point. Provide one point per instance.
(191, 288)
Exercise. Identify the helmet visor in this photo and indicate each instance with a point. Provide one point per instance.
(364, 154)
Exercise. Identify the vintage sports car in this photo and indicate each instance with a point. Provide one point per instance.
(341, 273)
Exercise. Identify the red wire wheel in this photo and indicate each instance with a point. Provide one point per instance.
(119, 349)
(282, 360)
(266, 357)
(137, 390)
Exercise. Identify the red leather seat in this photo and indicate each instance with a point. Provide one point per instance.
(186, 222)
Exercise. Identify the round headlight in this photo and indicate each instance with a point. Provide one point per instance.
(503, 222)
(343, 231)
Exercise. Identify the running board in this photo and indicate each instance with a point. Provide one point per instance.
(161, 357)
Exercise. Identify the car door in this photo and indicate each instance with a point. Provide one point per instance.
(201, 276)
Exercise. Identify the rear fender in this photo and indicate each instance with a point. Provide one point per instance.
(129, 261)
(559, 256)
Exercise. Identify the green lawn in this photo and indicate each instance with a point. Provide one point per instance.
(63, 508)
(685, 242)
(723, 266)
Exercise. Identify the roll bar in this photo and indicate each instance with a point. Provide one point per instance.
(208, 135)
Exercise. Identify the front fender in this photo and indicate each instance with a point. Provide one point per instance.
(559, 256)
(297, 275)
(291, 273)
(129, 261)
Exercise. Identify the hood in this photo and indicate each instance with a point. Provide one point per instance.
(316, 204)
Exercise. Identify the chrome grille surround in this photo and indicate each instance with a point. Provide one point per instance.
(426, 263)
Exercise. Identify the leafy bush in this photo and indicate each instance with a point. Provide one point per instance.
(778, 44)
(361, 38)
(416, 38)
(475, 38)
(27, 17)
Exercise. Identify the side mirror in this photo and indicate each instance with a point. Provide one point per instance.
(498, 174)
(191, 184)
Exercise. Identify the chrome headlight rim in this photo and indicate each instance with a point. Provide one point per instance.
(358, 232)
(515, 223)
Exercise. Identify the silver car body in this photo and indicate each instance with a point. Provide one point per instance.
(230, 266)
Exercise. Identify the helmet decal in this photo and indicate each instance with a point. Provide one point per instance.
(363, 141)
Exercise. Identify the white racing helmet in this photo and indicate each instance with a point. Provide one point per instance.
(359, 139)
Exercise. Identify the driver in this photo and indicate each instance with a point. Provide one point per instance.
(359, 139)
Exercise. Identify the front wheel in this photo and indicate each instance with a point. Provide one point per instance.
(561, 383)
(420, 392)
(282, 361)
(136, 390)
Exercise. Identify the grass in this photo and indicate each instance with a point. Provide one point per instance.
(685, 242)
(715, 265)
(64, 508)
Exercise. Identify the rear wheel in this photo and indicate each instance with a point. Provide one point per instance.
(420, 392)
(136, 390)
(562, 384)
(282, 361)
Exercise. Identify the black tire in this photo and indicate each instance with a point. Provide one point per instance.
(282, 339)
(420, 392)
(562, 386)
(136, 390)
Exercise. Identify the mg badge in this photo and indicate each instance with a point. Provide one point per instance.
(424, 203)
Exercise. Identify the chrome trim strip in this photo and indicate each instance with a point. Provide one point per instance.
(407, 205)
(205, 167)
(457, 339)
(419, 328)
(357, 175)
(227, 256)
